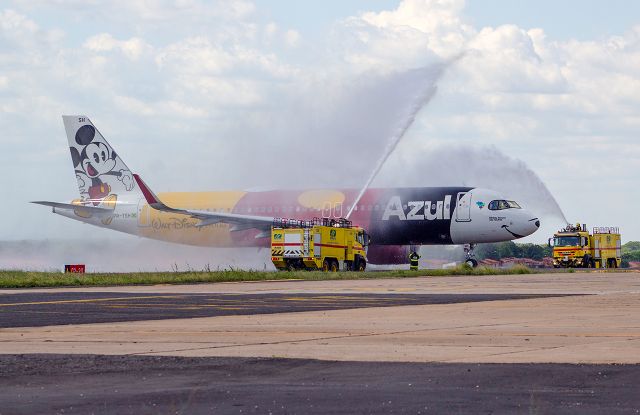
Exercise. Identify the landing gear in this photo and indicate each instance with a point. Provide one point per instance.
(470, 256)
(471, 262)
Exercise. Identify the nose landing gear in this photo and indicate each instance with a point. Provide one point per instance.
(470, 256)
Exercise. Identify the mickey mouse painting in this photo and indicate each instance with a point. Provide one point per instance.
(95, 162)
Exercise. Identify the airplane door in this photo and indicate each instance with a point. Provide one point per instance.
(337, 210)
(463, 208)
(326, 210)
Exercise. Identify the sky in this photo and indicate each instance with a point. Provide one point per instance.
(538, 99)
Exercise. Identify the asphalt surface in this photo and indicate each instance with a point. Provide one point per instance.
(150, 385)
(61, 308)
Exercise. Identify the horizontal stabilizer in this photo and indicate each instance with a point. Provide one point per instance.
(78, 208)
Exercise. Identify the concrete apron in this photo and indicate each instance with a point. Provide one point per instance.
(602, 328)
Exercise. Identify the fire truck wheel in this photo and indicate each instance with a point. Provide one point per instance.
(325, 265)
(362, 265)
(334, 266)
(586, 262)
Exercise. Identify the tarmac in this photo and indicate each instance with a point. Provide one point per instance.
(537, 341)
(83, 384)
(596, 320)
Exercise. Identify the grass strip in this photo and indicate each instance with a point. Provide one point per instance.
(29, 279)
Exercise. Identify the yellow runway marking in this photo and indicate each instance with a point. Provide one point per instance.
(93, 300)
(335, 298)
(174, 307)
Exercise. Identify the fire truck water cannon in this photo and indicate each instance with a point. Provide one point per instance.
(574, 247)
(318, 244)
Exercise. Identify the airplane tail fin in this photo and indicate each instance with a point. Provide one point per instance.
(102, 176)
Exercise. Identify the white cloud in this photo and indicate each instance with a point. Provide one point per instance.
(132, 48)
(504, 59)
(16, 25)
(133, 106)
(413, 34)
(271, 29)
(292, 38)
(199, 55)
(168, 10)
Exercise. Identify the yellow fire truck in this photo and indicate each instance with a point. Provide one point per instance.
(574, 247)
(326, 244)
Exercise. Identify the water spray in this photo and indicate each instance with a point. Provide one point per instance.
(423, 97)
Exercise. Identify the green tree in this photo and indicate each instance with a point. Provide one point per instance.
(510, 249)
(487, 251)
(533, 251)
(631, 246)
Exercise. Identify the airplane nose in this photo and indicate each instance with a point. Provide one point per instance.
(534, 225)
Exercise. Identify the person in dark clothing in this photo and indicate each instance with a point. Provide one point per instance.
(413, 260)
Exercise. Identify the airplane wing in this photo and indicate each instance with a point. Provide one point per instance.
(82, 209)
(238, 222)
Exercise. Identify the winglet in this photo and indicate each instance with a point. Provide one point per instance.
(151, 197)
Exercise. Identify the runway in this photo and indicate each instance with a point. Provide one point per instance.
(62, 308)
(540, 343)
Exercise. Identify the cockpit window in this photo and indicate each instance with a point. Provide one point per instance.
(513, 205)
(503, 204)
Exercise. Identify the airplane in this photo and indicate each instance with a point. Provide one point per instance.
(396, 219)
